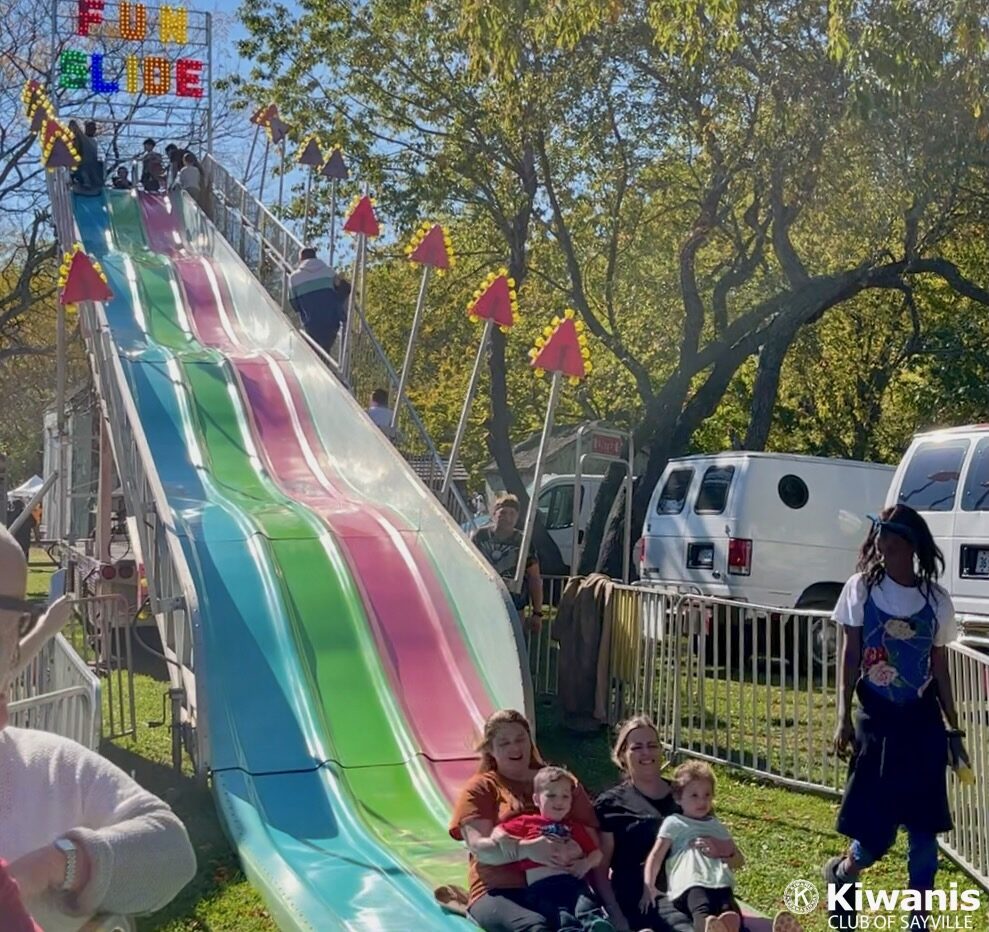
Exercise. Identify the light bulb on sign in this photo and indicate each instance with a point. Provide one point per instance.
(188, 72)
(73, 70)
(173, 25)
(157, 75)
(131, 74)
(133, 21)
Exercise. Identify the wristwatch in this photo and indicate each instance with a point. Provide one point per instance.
(68, 847)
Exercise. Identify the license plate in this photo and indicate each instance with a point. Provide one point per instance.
(700, 556)
(974, 561)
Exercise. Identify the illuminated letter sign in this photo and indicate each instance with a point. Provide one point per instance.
(90, 14)
(74, 68)
(133, 21)
(174, 25)
(155, 74)
(187, 74)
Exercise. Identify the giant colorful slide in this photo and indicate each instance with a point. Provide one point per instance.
(352, 641)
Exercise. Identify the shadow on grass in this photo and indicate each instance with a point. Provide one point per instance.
(199, 905)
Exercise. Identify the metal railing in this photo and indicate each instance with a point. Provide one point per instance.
(271, 252)
(58, 692)
(968, 844)
(102, 636)
(172, 595)
(755, 688)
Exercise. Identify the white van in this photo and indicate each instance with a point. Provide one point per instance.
(945, 476)
(772, 529)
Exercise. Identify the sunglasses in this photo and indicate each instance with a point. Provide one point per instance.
(29, 612)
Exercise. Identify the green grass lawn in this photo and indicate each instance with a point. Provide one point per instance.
(785, 835)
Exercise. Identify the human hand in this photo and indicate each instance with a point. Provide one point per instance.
(844, 738)
(579, 867)
(38, 871)
(497, 833)
(711, 847)
(649, 896)
(551, 851)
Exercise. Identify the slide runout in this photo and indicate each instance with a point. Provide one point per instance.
(339, 658)
(243, 659)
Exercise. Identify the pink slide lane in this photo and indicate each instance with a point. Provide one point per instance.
(420, 644)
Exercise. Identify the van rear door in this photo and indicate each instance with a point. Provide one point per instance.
(706, 555)
(969, 583)
(685, 538)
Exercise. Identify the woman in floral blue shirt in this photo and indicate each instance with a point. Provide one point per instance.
(897, 621)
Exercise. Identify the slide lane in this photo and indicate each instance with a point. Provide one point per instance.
(298, 833)
(416, 632)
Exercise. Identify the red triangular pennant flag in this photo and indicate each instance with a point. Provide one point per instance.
(83, 282)
(61, 156)
(277, 129)
(494, 304)
(431, 250)
(561, 352)
(362, 219)
(311, 154)
(335, 168)
(263, 115)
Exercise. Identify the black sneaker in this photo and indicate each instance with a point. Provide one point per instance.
(844, 918)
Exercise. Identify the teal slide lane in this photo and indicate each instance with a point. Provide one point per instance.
(311, 836)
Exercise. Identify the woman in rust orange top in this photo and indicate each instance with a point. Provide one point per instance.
(501, 789)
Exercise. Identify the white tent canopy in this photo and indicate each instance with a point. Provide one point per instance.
(26, 490)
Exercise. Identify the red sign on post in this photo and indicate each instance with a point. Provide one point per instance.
(605, 445)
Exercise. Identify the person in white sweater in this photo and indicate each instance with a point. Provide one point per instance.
(81, 837)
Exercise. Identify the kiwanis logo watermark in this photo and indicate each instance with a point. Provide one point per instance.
(853, 906)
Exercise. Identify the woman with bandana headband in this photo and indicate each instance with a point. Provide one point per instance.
(79, 837)
(897, 622)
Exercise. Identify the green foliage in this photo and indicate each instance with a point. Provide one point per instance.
(698, 178)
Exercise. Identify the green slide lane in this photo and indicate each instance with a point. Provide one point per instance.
(347, 686)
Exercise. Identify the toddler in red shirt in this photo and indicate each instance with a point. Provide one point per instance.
(560, 894)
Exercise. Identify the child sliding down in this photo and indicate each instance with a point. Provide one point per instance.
(697, 884)
(559, 894)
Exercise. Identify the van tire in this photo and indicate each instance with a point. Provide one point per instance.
(822, 635)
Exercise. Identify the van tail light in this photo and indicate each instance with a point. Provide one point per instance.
(739, 556)
(639, 553)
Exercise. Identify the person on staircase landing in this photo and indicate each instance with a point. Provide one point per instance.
(319, 296)
(151, 166)
(190, 177)
(381, 414)
(501, 545)
(897, 622)
(88, 177)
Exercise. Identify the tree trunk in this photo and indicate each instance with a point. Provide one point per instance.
(767, 386)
